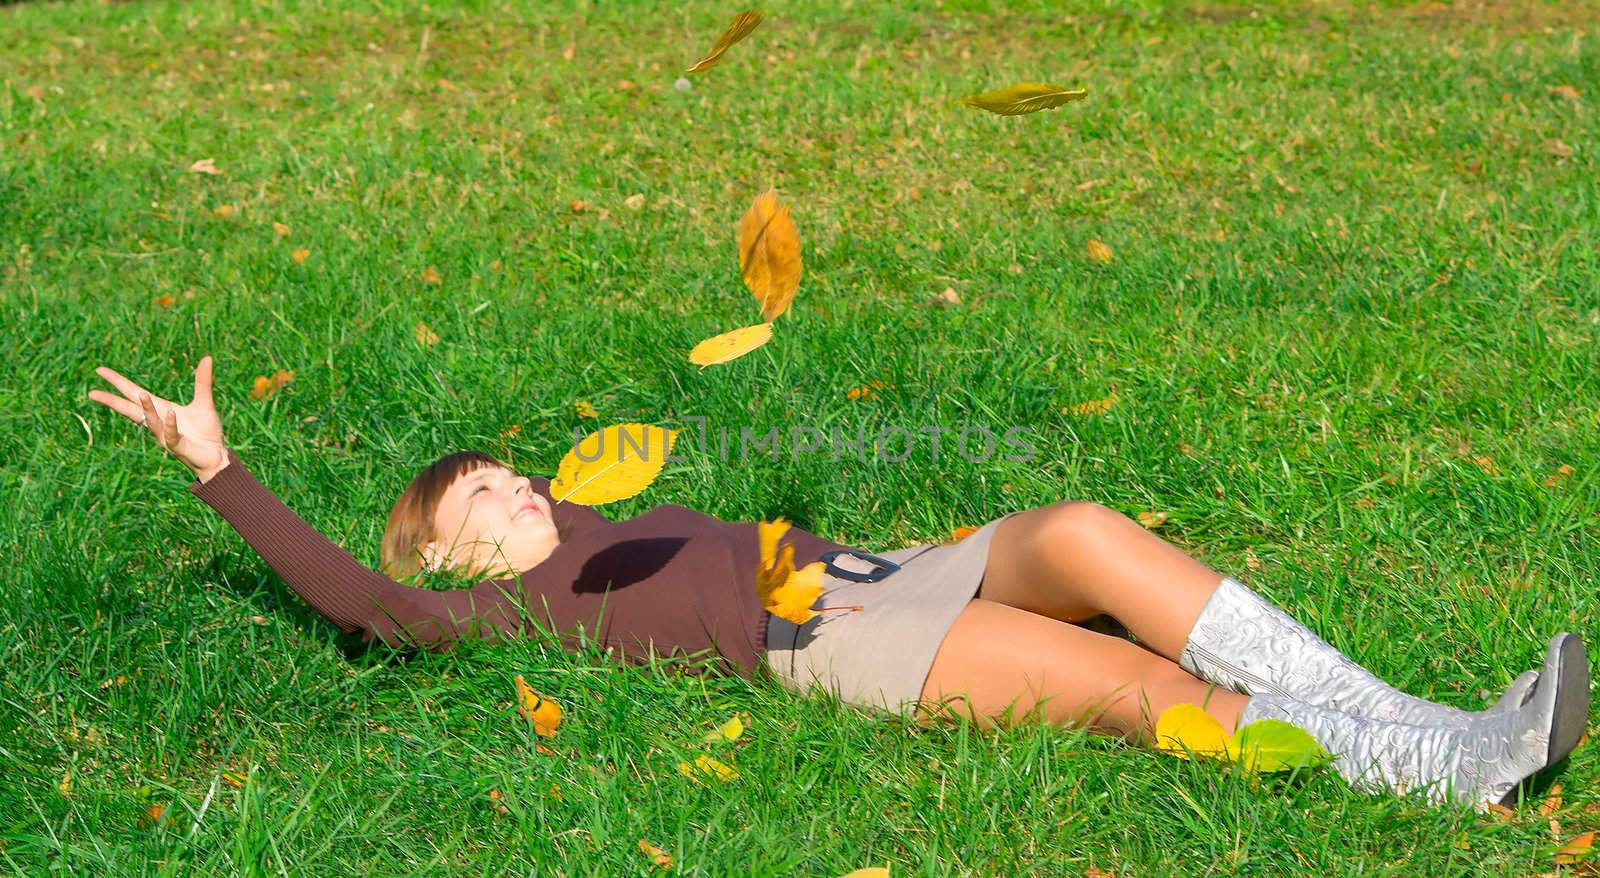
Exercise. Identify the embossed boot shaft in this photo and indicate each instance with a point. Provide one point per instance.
(1243, 642)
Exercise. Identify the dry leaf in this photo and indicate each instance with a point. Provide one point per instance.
(658, 857)
(1026, 97)
(1251, 561)
(1093, 406)
(1552, 802)
(866, 391)
(537, 709)
(961, 533)
(265, 386)
(1577, 850)
(1092, 872)
(1501, 812)
(223, 211)
(569, 51)
(237, 781)
(742, 25)
(578, 205)
(499, 807)
(769, 254)
(584, 409)
(869, 872)
(1098, 252)
(1557, 148)
(300, 256)
(1564, 91)
(1486, 463)
(634, 201)
(425, 336)
(65, 786)
(280, 230)
(204, 166)
(784, 591)
(1090, 184)
(152, 815)
(430, 276)
(707, 765)
(730, 345)
(612, 463)
(1561, 472)
(948, 297)
(165, 301)
(1152, 519)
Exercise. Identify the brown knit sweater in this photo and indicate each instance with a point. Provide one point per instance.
(673, 579)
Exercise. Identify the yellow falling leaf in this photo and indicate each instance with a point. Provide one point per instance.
(784, 591)
(300, 256)
(584, 409)
(425, 336)
(1185, 729)
(431, 276)
(769, 254)
(1152, 519)
(537, 709)
(613, 463)
(728, 731)
(742, 25)
(1025, 97)
(730, 345)
(1098, 251)
(658, 857)
(707, 765)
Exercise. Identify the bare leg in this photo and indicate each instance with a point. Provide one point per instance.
(1077, 559)
(998, 659)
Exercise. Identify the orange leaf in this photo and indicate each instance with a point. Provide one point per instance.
(425, 336)
(223, 211)
(742, 25)
(658, 857)
(1501, 812)
(1552, 802)
(431, 276)
(1098, 252)
(152, 815)
(1093, 406)
(961, 533)
(584, 409)
(300, 255)
(165, 301)
(499, 806)
(265, 386)
(1152, 519)
(204, 166)
(280, 230)
(769, 254)
(542, 712)
(1576, 850)
(785, 592)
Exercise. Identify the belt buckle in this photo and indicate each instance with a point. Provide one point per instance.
(885, 566)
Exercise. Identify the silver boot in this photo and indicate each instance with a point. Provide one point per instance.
(1479, 764)
(1244, 643)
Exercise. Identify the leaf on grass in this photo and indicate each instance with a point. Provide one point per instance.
(769, 254)
(165, 302)
(707, 765)
(235, 780)
(1098, 251)
(537, 709)
(1557, 148)
(1025, 97)
(153, 814)
(728, 731)
(265, 387)
(658, 857)
(1093, 406)
(866, 391)
(742, 25)
(280, 230)
(784, 591)
(300, 256)
(612, 463)
(584, 409)
(1552, 802)
(961, 533)
(431, 276)
(1569, 92)
(223, 211)
(730, 345)
(1578, 850)
(499, 805)
(1271, 745)
(1152, 519)
(634, 201)
(869, 872)
(1186, 729)
(425, 336)
(204, 166)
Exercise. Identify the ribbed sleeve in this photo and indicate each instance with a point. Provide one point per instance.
(348, 594)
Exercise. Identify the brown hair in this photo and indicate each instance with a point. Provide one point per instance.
(411, 518)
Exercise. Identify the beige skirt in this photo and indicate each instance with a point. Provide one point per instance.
(880, 656)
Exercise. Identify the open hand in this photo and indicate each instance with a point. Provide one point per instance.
(192, 433)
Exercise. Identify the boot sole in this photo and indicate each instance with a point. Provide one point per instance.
(1572, 699)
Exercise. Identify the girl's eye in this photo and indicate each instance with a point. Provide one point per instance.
(480, 489)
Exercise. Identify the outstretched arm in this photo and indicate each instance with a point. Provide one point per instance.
(351, 596)
(347, 593)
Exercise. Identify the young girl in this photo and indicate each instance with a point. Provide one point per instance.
(985, 624)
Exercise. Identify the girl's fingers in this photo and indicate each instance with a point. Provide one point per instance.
(202, 382)
(123, 385)
(127, 409)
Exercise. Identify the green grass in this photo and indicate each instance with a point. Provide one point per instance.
(1348, 262)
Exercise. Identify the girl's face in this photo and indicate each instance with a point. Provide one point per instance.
(490, 521)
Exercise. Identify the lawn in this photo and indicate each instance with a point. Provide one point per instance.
(1347, 339)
